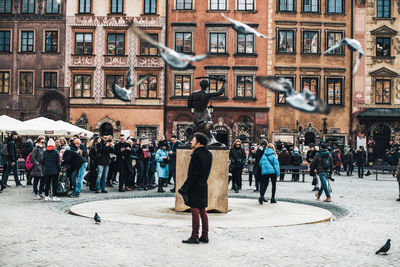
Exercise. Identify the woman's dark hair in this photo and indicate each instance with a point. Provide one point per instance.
(201, 138)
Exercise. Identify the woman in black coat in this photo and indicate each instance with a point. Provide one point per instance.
(237, 157)
(52, 169)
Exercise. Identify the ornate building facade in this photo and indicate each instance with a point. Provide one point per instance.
(32, 34)
(377, 86)
(197, 27)
(101, 51)
(304, 30)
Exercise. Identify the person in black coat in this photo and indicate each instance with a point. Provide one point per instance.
(10, 161)
(123, 151)
(195, 188)
(172, 163)
(296, 159)
(237, 157)
(26, 150)
(257, 169)
(104, 148)
(78, 165)
(52, 169)
(284, 160)
(361, 157)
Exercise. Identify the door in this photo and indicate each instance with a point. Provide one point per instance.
(381, 136)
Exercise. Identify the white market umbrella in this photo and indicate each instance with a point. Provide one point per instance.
(8, 124)
(41, 126)
(75, 129)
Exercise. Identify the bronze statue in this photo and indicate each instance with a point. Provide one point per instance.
(198, 102)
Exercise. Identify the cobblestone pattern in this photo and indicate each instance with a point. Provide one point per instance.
(38, 233)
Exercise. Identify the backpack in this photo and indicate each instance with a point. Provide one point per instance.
(326, 162)
(28, 162)
(4, 151)
(146, 153)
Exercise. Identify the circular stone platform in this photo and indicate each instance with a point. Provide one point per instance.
(244, 213)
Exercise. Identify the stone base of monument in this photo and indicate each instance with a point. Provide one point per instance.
(217, 181)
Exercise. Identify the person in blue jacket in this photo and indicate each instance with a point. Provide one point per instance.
(270, 170)
(162, 158)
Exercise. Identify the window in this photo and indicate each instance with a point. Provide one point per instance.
(5, 41)
(217, 43)
(244, 86)
(383, 46)
(183, 42)
(334, 91)
(335, 6)
(280, 97)
(332, 39)
(28, 6)
(148, 131)
(50, 79)
(25, 83)
(182, 85)
(85, 6)
(217, 4)
(83, 43)
(184, 4)
(117, 6)
(27, 41)
(147, 49)
(52, 7)
(4, 82)
(51, 41)
(310, 83)
(245, 5)
(286, 41)
(5, 6)
(82, 85)
(383, 9)
(382, 91)
(150, 6)
(286, 5)
(110, 81)
(215, 85)
(245, 43)
(310, 42)
(148, 89)
(311, 6)
(116, 44)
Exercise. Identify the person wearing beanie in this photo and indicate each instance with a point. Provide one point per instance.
(52, 170)
(322, 164)
(284, 160)
(296, 159)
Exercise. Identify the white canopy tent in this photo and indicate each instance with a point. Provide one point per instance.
(47, 127)
(8, 124)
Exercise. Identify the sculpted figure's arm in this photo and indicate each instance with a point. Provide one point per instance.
(220, 92)
(190, 101)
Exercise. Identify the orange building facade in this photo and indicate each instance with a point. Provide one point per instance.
(197, 27)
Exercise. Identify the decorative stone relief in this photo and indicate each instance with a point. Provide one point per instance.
(115, 60)
(398, 88)
(397, 45)
(150, 62)
(83, 60)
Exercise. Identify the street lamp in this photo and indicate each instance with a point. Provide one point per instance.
(211, 108)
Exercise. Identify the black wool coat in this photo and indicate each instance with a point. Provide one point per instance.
(196, 182)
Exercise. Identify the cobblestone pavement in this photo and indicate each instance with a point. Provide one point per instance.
(39, 233)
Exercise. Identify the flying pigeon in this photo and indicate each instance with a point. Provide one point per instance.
(385, 248)
(174, 59)
(354, 45)
(97, 218)
(123, 93)
(244, 28)
(304, 101)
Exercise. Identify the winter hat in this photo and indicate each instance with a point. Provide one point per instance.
(51, 142)
(296, 149)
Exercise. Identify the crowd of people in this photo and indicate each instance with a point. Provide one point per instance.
(143, 164)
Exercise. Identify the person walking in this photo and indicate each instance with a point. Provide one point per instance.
(52, 170)
(104, 148)
(257, 169)
(322, 164)
(38, 168)
(237, 157)
(309, 157)
(162, 158)
(269, 170)
(195, 188)
(361, 157)
(337, 160)
(296, 159)
(284, 160)
(349, 162)
(172, 164)
(26, 150)
(10, 158)
(250, 163)
(78, 165)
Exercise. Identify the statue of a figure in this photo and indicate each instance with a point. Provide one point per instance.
(198, 102)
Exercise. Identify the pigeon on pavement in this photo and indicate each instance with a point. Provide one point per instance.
(174, 59)
(97, 218)
(385, 248)
(244, 28)
(304, 101)
(125, 94)
(354, 45)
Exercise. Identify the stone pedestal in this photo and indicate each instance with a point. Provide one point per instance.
(217, 181)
